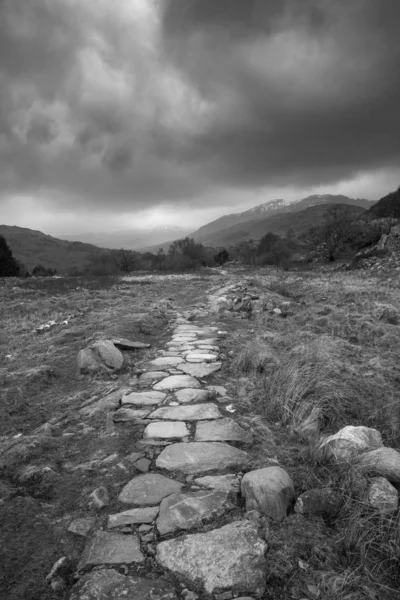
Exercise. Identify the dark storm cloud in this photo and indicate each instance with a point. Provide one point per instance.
(128, 103)
(306, 91)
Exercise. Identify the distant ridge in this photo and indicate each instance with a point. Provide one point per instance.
(33, 247)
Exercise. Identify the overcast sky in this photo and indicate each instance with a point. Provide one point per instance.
(123, 112)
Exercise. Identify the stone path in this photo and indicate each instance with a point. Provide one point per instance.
(182, 516)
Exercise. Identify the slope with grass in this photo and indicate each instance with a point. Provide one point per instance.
(33, 248)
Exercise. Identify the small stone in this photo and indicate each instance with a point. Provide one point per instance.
(108, 584)
(166, 429)
(192, 395)
(185, 511)
(106, 548)
(145, 528)
(219, 482)
(217, 389)
(82, 526)
(201, 369)
(221, 430)
(148, 489)
(143, 465)
(269, 490)
(151, 376)
(176, 382)
(143, 398)
(134, 456)
(133, 516)
(193, 412)
(383, 496)
(99, 497)
(149, 537)
(124, 344)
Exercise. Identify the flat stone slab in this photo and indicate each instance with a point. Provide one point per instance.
(166, 430)
(198, 357)
(185, 511)
(148, 489)
(124, 344)
(108, 584)
(144, 398)
(151, 376)
(177, 382)
(192, 395)
(130, 414)
(106, 548)
(221, 430)
(199, 457)
(192, 412)
(201, 369)
(219, 482)
(166, 361)
(133, 516)
(225, 559)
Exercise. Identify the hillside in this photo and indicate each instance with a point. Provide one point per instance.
(299, 222)
(275, 207)
(131, 239)
(386, 207)
(33, 247)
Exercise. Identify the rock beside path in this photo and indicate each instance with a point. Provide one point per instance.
(108, 584)
(148, 489)
(102, 355)
(383, 462)
(349, 442)
(198, 457)
(269, 491)
(124, 344)
(228, 558)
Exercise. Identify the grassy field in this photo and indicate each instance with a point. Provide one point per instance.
(330, 358)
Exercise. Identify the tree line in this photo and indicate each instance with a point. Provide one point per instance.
(340, 235)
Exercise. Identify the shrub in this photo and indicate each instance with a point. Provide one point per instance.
(9, 267)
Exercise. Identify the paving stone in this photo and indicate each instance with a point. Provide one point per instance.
(199, 457)
(166, 429)
(144, 398)
(143, 465)
(82, 526)
(201, 369)
(106, 548)
(198, 357)
(185, 511)
(269, 490)
(130, 414)
(191, 412)
(151, 376)
(148, 489)
(221, 430)
(124, 344)
(108, 584)
(219, 482)
(133, 516)
(192, 395)
(177, 382)
(228, 558)
(166, 361)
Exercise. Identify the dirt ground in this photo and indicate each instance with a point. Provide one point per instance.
(337, 331)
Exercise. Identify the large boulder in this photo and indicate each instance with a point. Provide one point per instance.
(383, 462)
(349, 442)
(107, 584)
(383, 496)
(102, 355)
(269, 491)
(230, 558)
